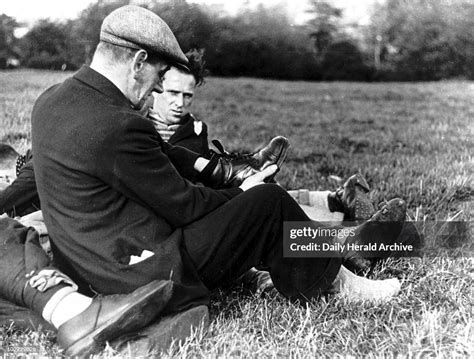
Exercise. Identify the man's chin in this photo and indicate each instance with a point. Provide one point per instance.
(175, 119)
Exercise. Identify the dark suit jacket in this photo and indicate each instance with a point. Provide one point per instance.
(110, 188)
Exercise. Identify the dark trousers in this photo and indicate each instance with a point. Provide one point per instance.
(247, 232)
(243, 233)
(21, 253)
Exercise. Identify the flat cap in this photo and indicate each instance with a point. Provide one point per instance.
(139, 28)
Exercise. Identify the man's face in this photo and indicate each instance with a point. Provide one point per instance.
(148, 80)
(177, 96)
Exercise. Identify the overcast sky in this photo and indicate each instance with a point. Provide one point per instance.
(29, 11)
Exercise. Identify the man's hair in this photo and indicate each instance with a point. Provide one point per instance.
(197, 65)
(115, 54)
(8, 156)
(120, 54)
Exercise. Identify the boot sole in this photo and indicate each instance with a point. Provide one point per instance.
(363, 208)
(357, 262)
(281, 158)
(159, 336)
(140, 312)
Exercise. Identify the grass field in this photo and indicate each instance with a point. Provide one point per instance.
(413, 141)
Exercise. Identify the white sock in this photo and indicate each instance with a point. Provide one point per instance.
(319, 199)
(319, 210)
(65, 304)
(356, 288)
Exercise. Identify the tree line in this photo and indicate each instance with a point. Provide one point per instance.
(408, 40)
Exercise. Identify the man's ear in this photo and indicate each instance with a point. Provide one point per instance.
(139, 60)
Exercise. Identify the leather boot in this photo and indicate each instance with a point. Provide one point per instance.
(226, 169)
(384, 227)
(159, 336)
(110, 316)
(352, 199)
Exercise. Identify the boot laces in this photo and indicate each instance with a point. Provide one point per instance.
(236, 156)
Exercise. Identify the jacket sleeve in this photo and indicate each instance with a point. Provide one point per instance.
(182, 158)
(141, 169)
(22, 195)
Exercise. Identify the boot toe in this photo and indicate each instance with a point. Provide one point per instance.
(159, 336)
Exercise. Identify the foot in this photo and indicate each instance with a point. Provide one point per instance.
(256, 281)
(383, 227)
(356, 288)
(273, 153)
(159, 336)
(393, 211)
(111, 316)
(352, 199)
(227, 169)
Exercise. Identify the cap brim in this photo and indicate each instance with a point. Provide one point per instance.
(181, 66)
(176, 61)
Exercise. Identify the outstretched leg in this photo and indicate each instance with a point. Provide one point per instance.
(248, 231)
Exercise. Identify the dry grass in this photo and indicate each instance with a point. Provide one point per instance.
(410, 140)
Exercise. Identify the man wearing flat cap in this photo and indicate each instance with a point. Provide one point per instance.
(122, 215)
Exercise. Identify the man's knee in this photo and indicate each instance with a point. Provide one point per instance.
(260, 201)
(269, 190)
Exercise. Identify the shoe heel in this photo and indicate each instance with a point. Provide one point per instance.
(279, 162)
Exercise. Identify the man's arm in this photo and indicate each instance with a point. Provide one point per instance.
(182, 158)
(142, 171)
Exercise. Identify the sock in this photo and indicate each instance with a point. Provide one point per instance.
(356, 288)
(318, 209)
(319, 199)
(65, 304)
(211, 175)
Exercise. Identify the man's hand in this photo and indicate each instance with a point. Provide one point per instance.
(34, 220)
(258, 177)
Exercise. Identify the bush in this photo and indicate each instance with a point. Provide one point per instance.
(50, 62)
(344, 61)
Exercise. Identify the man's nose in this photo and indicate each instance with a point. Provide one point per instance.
(158, 87)
(180, 100)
